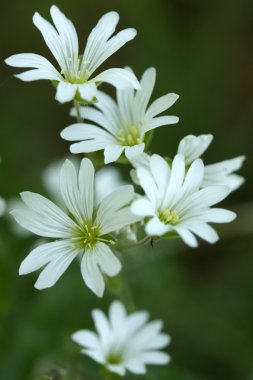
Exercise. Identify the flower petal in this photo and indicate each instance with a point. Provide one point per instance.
(133, 151)
(86, 187)
(53, 271)
(43, 217)
(156, 228)
(160, 121)
(91, 274)
(155, 357)
(143, 96)
(51, 38)
(143, 207)
(161, 104)
(107, 261)
(186, 236)
(82, 131)
(87, 146)
(65, 92)
(88, 91)
(112, 153)
(119, 78)
(193, 147)
(43, 254)
(98, 47)
(86, 338)
(99, 35)
(67, 32)
(43, 68)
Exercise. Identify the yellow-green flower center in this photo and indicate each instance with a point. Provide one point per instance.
(114, 358)
(75, 71)
(129, 135)
(88, 236)
(168, 217)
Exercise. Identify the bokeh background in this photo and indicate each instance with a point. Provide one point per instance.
(203, 50)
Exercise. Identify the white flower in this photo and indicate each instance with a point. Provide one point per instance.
(124, 342)
(122, 126)
(220, 173)
(174, 202)
(75, 69)
(82, 231)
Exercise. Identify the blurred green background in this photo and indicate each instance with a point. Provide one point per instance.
(203, 50)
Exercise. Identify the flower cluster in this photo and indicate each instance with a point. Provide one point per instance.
(168, 197)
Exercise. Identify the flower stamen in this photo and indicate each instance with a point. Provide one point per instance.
(168, 217)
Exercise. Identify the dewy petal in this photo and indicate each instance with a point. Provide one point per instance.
(112, 153)
(193, 147)
(161, 104)
(43, 68)
(43, 254)
(119, 78)
(91, 273)
(65, 91)
(53, 271)
(88, 91)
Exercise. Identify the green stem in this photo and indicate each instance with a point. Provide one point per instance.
(78, 112)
